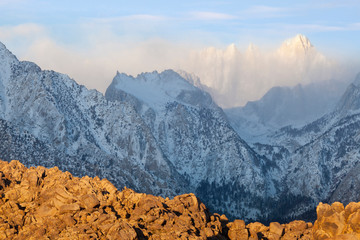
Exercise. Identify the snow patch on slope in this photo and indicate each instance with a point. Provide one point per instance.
(153, 88)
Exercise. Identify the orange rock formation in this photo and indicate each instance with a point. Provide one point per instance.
(40, 203)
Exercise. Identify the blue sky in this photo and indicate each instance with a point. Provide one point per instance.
(127, 35)
(329, 24)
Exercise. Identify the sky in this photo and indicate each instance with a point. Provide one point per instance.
(91, 40)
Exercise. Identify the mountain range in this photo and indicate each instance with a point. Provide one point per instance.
(234, 76)
(162, 133)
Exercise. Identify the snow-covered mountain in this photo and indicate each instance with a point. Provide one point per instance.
(161, 133)
(194, 134)
(284, 106)
(107, 139)
(316, 94)
(323, 157)
(233, 77)
(347, 105)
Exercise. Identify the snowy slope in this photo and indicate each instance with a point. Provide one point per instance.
(179, 141)
(316, 93)
(161, 133)
(323, 157)
(347, 105)
(194, 135)
(282, 107)
(320, 168)
(108, 136)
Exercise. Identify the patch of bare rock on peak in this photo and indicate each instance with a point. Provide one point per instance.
(41, 203)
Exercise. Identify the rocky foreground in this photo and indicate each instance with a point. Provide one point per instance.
(41, 203)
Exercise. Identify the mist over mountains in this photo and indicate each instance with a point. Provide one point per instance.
(234, 77)
(162, 133)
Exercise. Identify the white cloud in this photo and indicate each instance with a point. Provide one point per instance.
(11, 2)
(212, 16)
(96, 64)
(23, 30)
(354, 26)
(135, 17)
(262, 11)
(235, 76)
(314, 27)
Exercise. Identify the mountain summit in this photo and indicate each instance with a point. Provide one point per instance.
(195, 136)
(159, 134)
(158, 89)
(300, 44)
(233, 77)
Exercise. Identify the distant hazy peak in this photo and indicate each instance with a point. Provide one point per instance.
(252, 48)
(232, 49)
(190, 77)
(300, 44)
(252, 53)
(350, 100)
(154, 76)
(300, 41)
(157, 89)
(357, 80)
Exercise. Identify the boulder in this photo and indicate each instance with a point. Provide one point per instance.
(40, 203)
(276, 228)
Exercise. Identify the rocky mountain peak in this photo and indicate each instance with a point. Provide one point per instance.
(356, 82)
(252, 52)
(6, 55)
(299, 41)
(350, 101)
(300, 44)
(190, 77)
(231, 49)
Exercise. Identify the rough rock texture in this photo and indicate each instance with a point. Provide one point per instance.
(48, 119)
(195, 136)
(166, 137)
(41, 203)
(336, 222)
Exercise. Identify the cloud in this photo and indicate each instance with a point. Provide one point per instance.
(317, 27)
(23, 30)
(262, 11)
(96, 62)
(211, 16)
(135, 17)
(235, 77)
(11, 2)
(314, 27)
(354, 26)
(334, 4)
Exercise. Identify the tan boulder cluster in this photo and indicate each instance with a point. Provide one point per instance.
(275, 231)
(40, 203)
(336, 222)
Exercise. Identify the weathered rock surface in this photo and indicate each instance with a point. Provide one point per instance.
(41, 203)
(336, 222)
(47, 203)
